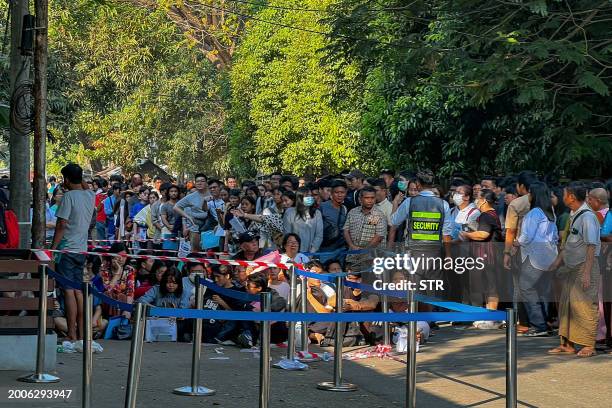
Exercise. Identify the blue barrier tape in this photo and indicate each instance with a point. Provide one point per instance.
(465, 313)
(63, 281)
(325, 317)
(458, 307)
(112, 302)
(320, 276)
(234, 294)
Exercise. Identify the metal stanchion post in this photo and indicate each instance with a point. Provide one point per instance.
(135, 354)
(40, 376)
(87, 338)
(292, 309)
(511, 367)
(385, 309)
(337, 384)
(264, 345)
(304, 332)
(195, 389)
(411, 357)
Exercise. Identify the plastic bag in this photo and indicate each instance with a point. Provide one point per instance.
(184, 248)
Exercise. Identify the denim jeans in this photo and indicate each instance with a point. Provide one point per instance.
(535, 290)
(110, 228)
(101, 230)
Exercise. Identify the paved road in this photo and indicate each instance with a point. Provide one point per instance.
(456, 368)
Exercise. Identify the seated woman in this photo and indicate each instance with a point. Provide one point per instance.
(355, 300)
(118, 278)
(257, 283)
(320, 299)
(276, 281)
(290, 249)
(169, 293)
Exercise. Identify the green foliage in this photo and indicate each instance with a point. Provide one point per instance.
(478, 86)
(284, 115)
(128, 85)
(484, 86)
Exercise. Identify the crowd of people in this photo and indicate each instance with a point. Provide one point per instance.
(541, 238)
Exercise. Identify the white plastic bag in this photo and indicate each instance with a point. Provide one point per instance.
(400, 339)
(184, 248)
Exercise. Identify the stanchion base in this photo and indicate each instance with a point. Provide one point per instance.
(331, 386)
(39, 378)
(199, 391)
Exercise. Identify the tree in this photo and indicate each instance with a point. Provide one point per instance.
(483, 86)
(127, 84)
(283, 114)
(215, 26)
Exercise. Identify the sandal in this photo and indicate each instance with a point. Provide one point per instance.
(561, 350)
(586, 352)
(522, 329)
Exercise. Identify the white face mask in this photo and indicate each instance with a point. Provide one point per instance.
(458, 199)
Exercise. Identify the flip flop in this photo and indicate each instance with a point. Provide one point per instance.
(590, 354)
(559, 350)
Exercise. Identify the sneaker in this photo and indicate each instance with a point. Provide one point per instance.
(535, 333)
(245, 340)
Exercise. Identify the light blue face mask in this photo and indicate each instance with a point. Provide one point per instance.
(402, 185)
(309, 201)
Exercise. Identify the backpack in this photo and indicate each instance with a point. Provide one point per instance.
(124, 330)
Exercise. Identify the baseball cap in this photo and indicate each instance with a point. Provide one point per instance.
(355, 174)
(247, 236)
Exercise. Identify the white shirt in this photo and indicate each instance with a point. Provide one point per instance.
(467, 216)
(386, 208)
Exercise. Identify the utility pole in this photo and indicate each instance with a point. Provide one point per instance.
(19, 140)
(41, 41)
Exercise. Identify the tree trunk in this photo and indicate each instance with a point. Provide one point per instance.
(20, 191)
(40, 123)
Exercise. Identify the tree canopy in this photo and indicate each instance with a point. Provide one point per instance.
(483, 86)
(478, 86)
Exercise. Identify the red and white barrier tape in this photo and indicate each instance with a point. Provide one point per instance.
(134, 240)
(166, 250)
(179, 259)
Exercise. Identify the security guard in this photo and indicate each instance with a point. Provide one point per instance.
(428, 226)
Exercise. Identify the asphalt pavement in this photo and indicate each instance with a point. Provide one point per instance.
(456, 368)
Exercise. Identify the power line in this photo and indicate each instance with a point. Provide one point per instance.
(287, 8)
(399, 8)
(251, 17)
(327, 34)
